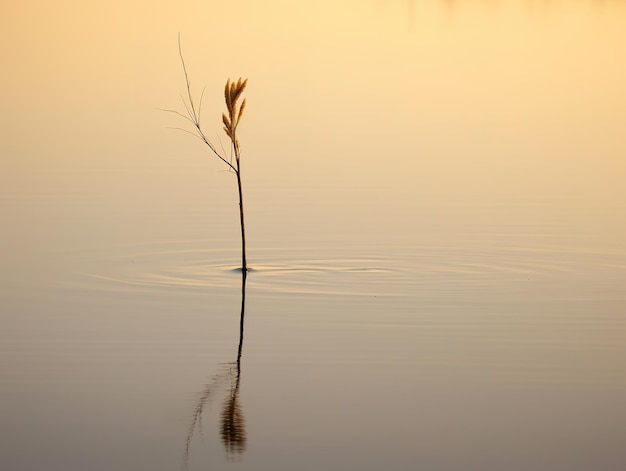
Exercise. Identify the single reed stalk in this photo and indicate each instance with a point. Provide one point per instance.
(232, 93)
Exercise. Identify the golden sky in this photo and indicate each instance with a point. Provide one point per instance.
(376, 90)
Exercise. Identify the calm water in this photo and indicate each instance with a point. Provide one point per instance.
(435, 210)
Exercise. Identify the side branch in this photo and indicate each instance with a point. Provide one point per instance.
(193, 112)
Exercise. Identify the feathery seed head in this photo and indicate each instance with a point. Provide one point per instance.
(227, 95)
(243, 107)
(232, 93)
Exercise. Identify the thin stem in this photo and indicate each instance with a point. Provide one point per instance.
(244, 265)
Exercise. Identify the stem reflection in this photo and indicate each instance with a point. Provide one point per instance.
(232, 422)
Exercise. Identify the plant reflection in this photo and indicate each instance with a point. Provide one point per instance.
(232, 422)
(233, 426)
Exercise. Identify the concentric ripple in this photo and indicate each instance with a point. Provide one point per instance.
(389, 271)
